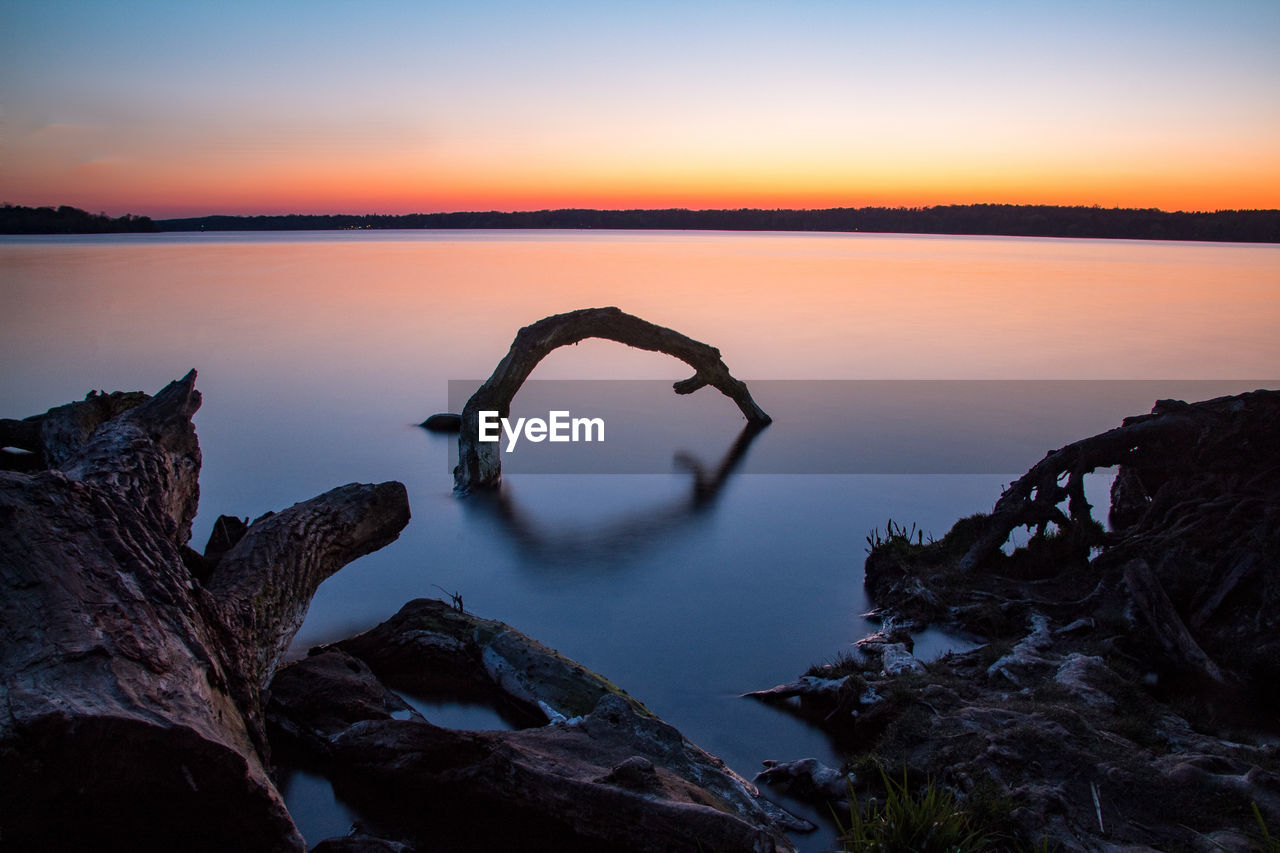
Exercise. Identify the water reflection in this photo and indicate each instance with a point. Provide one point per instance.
(598, 545)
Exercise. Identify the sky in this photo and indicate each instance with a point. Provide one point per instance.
(184, 109)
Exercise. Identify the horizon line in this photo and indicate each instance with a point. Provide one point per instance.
(571, 209)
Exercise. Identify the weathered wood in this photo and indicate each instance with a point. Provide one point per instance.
(1173, 427)
(479, 463)
(131, 715)
(1215, 595)
(1163, 619)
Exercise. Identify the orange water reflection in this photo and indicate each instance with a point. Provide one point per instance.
(408, 308)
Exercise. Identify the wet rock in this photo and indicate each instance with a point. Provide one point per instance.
(807, 779)
(322, 695)
(896, 660)
(432, 648)
(597, 771)
(442, 423)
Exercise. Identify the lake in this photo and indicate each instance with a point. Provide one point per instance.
(909, 377)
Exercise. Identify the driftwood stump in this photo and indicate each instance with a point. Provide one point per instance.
(479, 463)
(131, 714)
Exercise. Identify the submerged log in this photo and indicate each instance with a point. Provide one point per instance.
(479, 463)
(132, 717)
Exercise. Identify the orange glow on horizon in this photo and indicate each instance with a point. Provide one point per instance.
(164, 186)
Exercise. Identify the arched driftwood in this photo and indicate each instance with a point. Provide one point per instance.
(479, 463)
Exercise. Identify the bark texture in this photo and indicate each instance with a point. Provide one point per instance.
(130, 691)
(479, 464)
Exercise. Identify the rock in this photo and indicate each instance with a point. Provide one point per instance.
(611, 775)
(442, 423)
(360, 843)
(331, 691)
(132, 714)
(808, 779)
(896, 660)
(891, 631)
(1026, 654)
(636, 773)
(432, 648)
(1082, 674)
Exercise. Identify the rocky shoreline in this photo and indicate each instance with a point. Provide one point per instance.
(144, 696)
(1123, 697)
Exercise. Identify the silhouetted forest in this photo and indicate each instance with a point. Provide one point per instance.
(1246, 226)
(15, 219)
(1252, 226)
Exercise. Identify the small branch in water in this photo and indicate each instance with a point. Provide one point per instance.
(455, 598)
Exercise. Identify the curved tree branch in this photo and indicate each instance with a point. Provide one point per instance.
(479, 463)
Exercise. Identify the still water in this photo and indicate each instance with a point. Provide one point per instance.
(318, 352)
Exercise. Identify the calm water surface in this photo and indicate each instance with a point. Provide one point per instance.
(317, 353)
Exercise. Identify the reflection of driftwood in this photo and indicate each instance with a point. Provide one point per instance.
(479, 463)
(601, 545)
(133, 690)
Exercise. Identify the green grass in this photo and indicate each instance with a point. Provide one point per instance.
(1270, 844)
(932, 820)
(929, 822)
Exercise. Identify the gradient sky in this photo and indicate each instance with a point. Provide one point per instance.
(164, 108)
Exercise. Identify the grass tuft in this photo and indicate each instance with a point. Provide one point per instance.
(929, 822)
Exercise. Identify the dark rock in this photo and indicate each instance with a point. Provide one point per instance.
(442, 423)
(808, 779)
(597, 771)
(360, 844)
(636, 773)
(324, 694)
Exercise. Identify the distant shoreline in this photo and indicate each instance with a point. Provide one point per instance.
(1242, 226)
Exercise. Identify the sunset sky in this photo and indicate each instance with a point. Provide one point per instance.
(171, 109)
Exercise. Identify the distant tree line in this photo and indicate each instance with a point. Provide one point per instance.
(15, 219)
(1246, 226)
(1252, 226)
